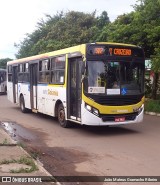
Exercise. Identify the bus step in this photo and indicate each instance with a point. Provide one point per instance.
(34, 110)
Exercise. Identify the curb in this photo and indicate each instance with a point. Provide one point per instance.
(36, 161)
(40, 166)
(152, 113)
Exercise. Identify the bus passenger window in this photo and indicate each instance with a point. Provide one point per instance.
(44, 74)
(9, 73)
(58, 70)
(20, 72)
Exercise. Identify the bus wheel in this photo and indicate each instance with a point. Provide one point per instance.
(61, 117)
(22, 105)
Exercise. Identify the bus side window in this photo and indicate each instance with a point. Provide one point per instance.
(58, 70)
(44, 74)
(10, 73)
(20, 72)
(26, 73)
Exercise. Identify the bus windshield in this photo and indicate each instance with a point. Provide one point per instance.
(2, 76)
(114, 78)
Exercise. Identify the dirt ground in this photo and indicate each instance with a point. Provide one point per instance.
(127, 150)
(59, 162)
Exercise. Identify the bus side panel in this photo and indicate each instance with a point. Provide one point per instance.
(24, 89)
(48, 96)
(10, 91)
(42, 92)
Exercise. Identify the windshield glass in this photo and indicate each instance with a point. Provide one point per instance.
(2, 77)
(114, 78)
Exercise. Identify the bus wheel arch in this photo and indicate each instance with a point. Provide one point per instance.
(60, 114)
(22, 104)
(58, 102)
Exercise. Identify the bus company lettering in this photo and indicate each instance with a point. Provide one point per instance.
(52, 92)
(125, 52)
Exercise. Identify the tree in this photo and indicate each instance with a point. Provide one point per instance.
(103, 20)
(150, 16)
(3, 62)
(140, 27)
(61, 31)
(156, 68)
(147, 18)
(35, 43)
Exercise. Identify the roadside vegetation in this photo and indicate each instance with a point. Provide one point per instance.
(23, 160)
(5, 142)
(152, 105)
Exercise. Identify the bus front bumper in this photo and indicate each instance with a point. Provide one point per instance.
(89, 118)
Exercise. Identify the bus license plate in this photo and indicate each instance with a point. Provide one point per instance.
(119, 119)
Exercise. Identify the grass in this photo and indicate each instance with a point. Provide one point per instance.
(23, 145)
(34, 154)
(152, 106)
(23, 160)
(5, 142)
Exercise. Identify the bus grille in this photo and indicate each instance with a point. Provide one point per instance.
(116, 100)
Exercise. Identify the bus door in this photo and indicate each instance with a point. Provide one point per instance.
(74, 89)
(33, 85)
(15, 84)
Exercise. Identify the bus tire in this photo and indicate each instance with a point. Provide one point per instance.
(22, 104)
(61, 117)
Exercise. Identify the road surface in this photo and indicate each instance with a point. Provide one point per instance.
(130, 150)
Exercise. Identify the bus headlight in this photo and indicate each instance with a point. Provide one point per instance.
(138, 110)
(92, 109)
(88, 107)
(95, 111)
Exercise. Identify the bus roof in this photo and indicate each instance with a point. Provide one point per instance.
(79, 48)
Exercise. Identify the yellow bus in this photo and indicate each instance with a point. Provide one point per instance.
(91, 84)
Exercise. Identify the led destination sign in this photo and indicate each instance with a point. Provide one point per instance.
(114, 51)
(98, 51)
(124, 52)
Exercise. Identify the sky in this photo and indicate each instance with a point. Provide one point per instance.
(19, 17)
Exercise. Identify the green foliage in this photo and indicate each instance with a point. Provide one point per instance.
(23, 160)
(156, 60)
(103, 20)
(148, 88)
(140, 27)
(5, 142)
(60, 31)
(3, 62)
(118, 31)
(152, 106)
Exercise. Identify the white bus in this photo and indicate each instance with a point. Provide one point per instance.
(91, 84)
(3, 81)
